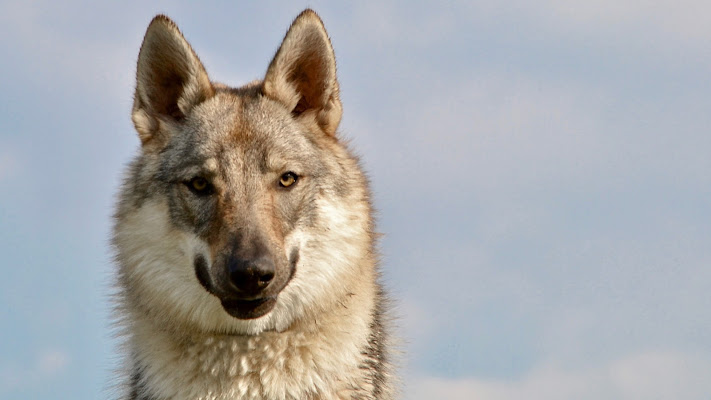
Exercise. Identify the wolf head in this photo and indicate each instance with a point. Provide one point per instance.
(243, 211)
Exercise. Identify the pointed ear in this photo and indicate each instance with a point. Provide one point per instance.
(170, 79)
(302, 75)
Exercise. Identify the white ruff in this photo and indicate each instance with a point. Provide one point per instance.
(288, 365)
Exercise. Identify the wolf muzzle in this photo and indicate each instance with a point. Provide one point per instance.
(246, 287)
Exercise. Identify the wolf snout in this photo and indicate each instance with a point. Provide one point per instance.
(250, 276)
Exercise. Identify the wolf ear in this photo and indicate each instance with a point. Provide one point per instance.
(302, 75)
(170, 79)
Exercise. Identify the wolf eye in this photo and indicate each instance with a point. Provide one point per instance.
(199, 186)
(288, 179)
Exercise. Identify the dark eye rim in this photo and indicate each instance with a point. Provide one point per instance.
(208, 190)
(288, 174)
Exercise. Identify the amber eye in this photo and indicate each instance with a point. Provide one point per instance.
(288, 179)
(199, 185)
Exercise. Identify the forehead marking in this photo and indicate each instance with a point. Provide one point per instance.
(211, 165)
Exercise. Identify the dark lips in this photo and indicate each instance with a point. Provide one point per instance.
(249, 309)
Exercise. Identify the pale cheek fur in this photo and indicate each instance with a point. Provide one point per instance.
(325, 262)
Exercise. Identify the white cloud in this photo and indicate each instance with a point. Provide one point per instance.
(47, 365)
(686, 20)
(580, 293)
(641, 24)
(386, 24)
(498, 131)
(51, 53)
(52, 362)
(8, 164)
(504, 133)
(650, 375)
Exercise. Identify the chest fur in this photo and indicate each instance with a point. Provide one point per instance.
(269, 366)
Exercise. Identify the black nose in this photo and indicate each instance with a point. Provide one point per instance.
(250, 276)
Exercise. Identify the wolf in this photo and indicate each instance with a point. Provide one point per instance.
(244, 235)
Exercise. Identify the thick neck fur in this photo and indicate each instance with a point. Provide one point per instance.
(320, 358)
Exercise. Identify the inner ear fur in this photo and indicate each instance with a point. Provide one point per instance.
(302, 75)
(170, 79)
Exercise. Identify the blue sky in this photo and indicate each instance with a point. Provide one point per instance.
(541, 171)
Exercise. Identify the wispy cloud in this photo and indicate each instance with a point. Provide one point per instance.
(8, 164)
(655, 374)
(47, 365)
(49, 51)
(52, 362)
(671, 21)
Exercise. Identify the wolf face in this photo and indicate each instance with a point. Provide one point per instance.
(243, 212)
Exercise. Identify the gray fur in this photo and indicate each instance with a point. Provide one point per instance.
(318, 328)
